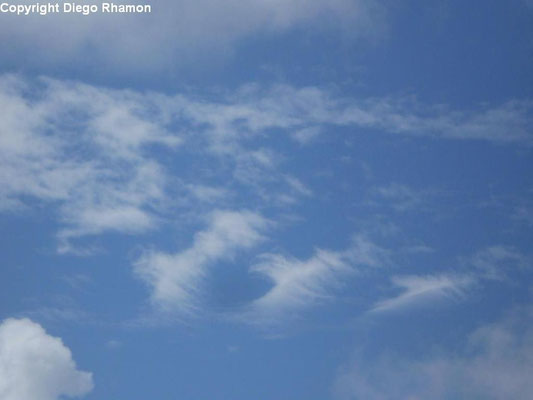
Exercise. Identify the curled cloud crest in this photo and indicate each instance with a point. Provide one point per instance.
(301, 284)
(175, 280)
(418, 290)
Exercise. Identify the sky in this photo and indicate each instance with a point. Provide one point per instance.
(268, 199)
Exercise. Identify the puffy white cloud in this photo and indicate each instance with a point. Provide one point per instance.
(175, 280)
(496, 363)
(423, 289)
(35, 365)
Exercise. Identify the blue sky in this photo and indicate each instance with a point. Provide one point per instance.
(268, 200)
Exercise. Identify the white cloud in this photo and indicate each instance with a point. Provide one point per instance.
(297, 186)
(298, 285)
(176, 32)
(113, 344)
(419, 290)
(208, 194)
(497, 363)
(255, 109)
(506, 123)
(175, 280)
(93, 153)
(398, 196)
(35, 365)
(306, 135)
(493, 263)
(83, 149)
(496, 262)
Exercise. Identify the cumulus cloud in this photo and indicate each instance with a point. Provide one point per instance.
(174, 33)
(417, 290)
(175, 280)
(35, 365)
(495, 363)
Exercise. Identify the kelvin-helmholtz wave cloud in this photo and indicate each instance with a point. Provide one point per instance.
(336, 203)
(93, 155)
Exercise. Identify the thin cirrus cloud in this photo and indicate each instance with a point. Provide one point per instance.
(174, 33)
(35, 365)
(397, 196)
(91, 151)
(417, 290)
(297, 284)
(255, 109)
(498, 262)
(82, 149)
(310, 108)
(495, 363)
(176, 280)
(301, 284)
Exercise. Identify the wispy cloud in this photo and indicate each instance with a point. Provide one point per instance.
(495, 363)
(175, 280)
(497, 262)
(417, 290)
(82, 148)
(297, 284)
(92, 152)
(208, 194)
(491, 263)
(398, 196)
(255, 109)
(302, 284)
(306, 135)
(175, 33)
